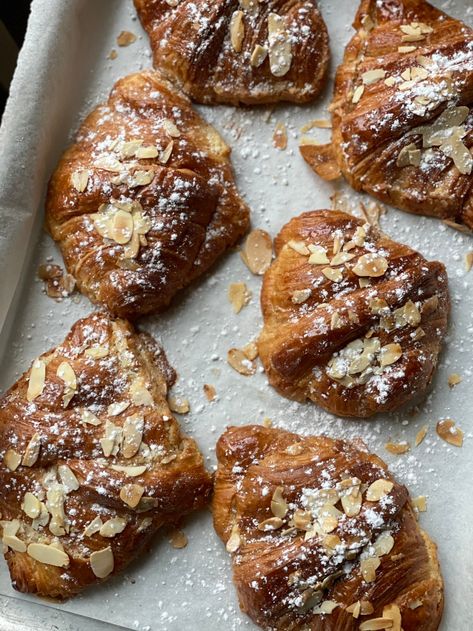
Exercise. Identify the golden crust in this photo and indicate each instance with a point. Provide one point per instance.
(185, 206)
(192, 45)
(325, 338)
(276, 573)
(429, 70)
(112, 365)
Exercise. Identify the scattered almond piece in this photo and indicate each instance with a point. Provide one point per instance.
(178, 405)
(448, 432)
(233, 542)
(397, 448)
(209, 392)
(126, 38)
(378, 489)
(280, 136)
(250, 350)
(468, 261)
(257, 251)
(267, 422)
(177, 539)
(239, 296)
(112, 54)
(240, 362)
(454, 379)
(420, 503)
(421, 434)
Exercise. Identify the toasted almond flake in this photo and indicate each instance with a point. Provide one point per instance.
(36, 379)
(114, 409)
(233, 542)
(237, 30)
(250, 350)
(342, 257)
(139, 178)
(102, 562)
(372, 76)
(93, 527)
(393, 612)
(406, 49)
(165, 154)
(468, 261)
(257, 251)
(318, 123)
(97, 352)
(383, 544)
(171, 128)
(454, 379)
(280, 136)
(210, 392)
(357, 94)
(131, 471)
(375, 624)
(355, 609)
(131, 494)
(397, 448)
(32, 451)
(318, 255)
(68, 478)
(390, 81)
(273, 523)
(88, 418)
(121, 227)
(328, 518)
(379, 489)
(48, 554)
(113, 527)
(129, 149)
(31, 505)
(110, 442)
(278, 503)
(66, 373)
(125, 38)
(107, 162)
(333, 274)
(139, 393)
(301, 519)
(80, 179)
(421, 434)
(12, 459)
(112, 54)
(280, 55)
(299, 296)
(448, 432)
(239, 296)
(240, 362)
(325, 607)
(178, 539)
(258, 56)
(14, 542)
(294, 450)
(367, 23)
(299, 246)
(146, 152)
(132, 435)
(415, 604)
(371, 265)
(420, 503)
(368, 569)
(179, 405)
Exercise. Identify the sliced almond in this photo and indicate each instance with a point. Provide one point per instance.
(93, 527)
(32, 451)
(171, 128)
(257, 252)
(126, 38)
(328, 517)
(300, 247)
(278, 503)
(131, 494)
(333, 274)
(143, 153)
(66, 373)
(397, 448)
(233, 542)
(239, 296)
(280, 55)
(115, 409)
(421, 434)
(420, 503)
(449, 432)
(48, 554)
(273, 523)
(166, 152)
(139, 393)
(299, 296)
(280, 136)
(301, 519)
(378, 490)
(131, 471)
(372, 76)
(12, 459)
(468, 261)
(454, 379)
(97, 352)
(14, 542)
(390, 354)
(357, 94)
(210, 392)
(326, 607)
(102, 562)
(371, 265)
(250, 350)
(383, 544)
(80, 179)
(237, 30)
(258, 55)
(368, 569)
(318, 255)
(179, 405)
(36, 379)
(132, 435)
(68, 478)
(394, 613)
(375, 624)
(113, 527)
(178, 539)
(111, 440)
(239, 362)
(88, 418)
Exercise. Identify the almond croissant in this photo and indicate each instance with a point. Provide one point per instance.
(322, 537)
(144, 201)
(352, 320)
(247, 51)
(92, 460)
(402, 111)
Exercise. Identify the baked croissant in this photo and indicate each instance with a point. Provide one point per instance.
(322, 537)
(247, 51)
(402, 111)
(92, 460)
(144, 202)
(352, 320)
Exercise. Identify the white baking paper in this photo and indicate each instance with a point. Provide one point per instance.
(63, 71)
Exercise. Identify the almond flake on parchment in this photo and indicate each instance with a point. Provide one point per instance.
(257, 251)
(449, 432)
(125, 38)
(280, 136)
(239, 296)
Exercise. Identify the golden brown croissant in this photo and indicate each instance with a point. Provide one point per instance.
(247, 51)
(92, 460)
(322, 537)
(144, 201)
(352, 320)
(401, 111)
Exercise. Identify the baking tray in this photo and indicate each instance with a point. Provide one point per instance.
(63, 71)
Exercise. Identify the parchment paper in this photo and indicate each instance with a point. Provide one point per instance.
(64, 71)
